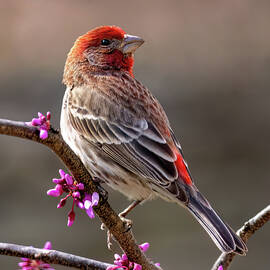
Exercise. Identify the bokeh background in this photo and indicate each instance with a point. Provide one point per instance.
(207, 62)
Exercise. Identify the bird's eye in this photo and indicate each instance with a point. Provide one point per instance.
(105, 42)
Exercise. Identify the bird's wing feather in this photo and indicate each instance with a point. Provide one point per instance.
(131, 141)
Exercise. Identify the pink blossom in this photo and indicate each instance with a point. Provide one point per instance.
(43, 122)
(90, 201)
(71, 218)
(74, 190)
(144, 247)
(122, 262)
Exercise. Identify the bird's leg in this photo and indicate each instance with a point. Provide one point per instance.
(127, 222)
(124, 213)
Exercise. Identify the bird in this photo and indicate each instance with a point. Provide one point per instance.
(122, 135)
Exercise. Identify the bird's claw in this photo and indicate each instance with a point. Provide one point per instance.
(127, 222)
(109, 236)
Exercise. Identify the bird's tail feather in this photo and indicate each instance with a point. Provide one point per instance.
(223, 236)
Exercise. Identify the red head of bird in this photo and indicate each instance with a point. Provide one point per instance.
(103, 48)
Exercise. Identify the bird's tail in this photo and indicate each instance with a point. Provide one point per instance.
(221, 233)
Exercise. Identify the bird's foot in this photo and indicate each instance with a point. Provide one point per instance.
(109, 236)
(127, 222)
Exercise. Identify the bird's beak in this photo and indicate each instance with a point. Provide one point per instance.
(130, 44)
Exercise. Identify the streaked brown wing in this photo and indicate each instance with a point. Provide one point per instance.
(132, 142)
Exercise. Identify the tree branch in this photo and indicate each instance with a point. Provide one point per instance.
(249, 228)
(51, 256)
(107, 215)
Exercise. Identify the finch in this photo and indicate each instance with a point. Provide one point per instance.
(121, 133)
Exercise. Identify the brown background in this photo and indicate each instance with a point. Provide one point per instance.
(206, 61)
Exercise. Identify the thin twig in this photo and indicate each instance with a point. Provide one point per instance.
(51, 256)
(249, 228)
(107, 215)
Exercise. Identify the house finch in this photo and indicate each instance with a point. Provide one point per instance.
(122, 134)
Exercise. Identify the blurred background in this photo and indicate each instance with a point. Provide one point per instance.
(207, 62)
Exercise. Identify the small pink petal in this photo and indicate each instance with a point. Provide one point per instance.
(80, 186)
(137, 266)
(69, 179)
(76, 194)
(157, 264)
(36, 122)
(95, 199)
(27, 268)
(87, 204)
(71, 218)
(62, 173)
(25, 259)
(43, 134)
(80, 204)
(144, 247)
(90, 212)
(48, 245)
(59, 187)
(70, 223)
(62, 203)
(53, 192)
(23, 264)
(220, 267)
(57, 181)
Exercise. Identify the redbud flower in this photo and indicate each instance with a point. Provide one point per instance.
(71, 217)
(43, 122)
(144, 247)
(28, 264)
(90, 201)
(220, 267)
(75, 191)
(122, 262)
